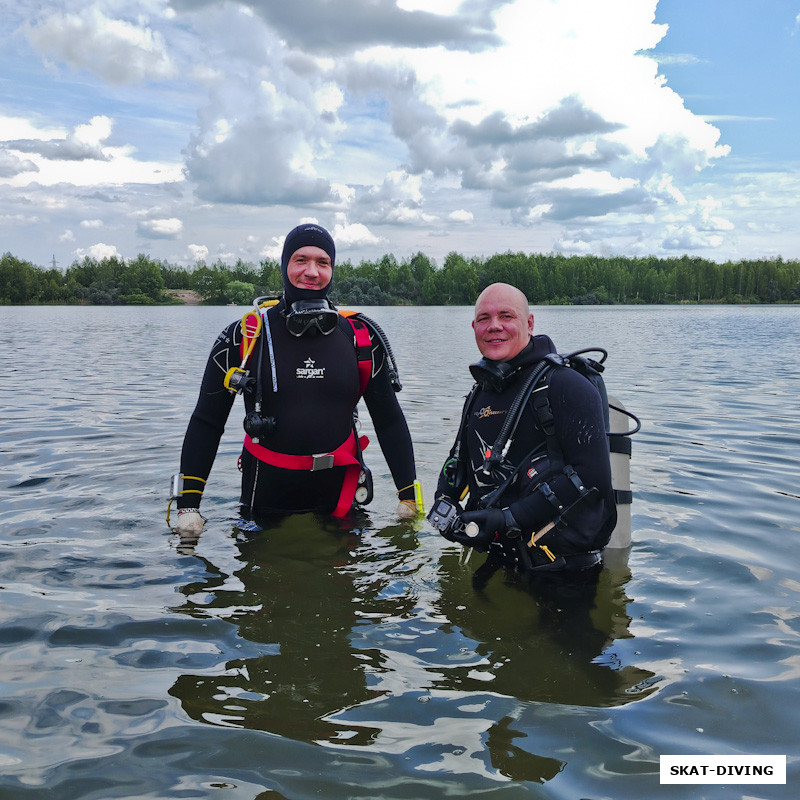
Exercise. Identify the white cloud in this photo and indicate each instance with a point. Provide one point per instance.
(91, 223)
(429, 122)
(11, 164)
(14, 127)
(461, 215)
(117, 51)
(353, 235)
(170, 228)
(199, 252)
(98, 251)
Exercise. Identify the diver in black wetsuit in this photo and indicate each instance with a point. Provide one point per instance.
(550, 515)
(306, 372)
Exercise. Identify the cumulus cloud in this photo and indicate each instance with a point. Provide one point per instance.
(98, 251)
(461, 215)
(170, 228)
(116, 50)
(384, 118)
(353, 235)
(265, 127)
(81, 143)
(349, 25)
(258, 162)
(79, 157)
(199, 252)
(11, 164)
(531, 97)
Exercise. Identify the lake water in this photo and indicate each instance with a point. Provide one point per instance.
(312, 661)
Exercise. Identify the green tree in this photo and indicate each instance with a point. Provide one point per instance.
(240, 293)
(211, 282)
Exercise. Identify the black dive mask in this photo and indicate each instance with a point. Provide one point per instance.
(311, 315)
(493, 376)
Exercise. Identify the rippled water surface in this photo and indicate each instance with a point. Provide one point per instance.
(314, 660)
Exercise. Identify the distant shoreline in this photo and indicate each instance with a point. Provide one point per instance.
(186, 296)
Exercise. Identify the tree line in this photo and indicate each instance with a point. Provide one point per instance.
(545, 279)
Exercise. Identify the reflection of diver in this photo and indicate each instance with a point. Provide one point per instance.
(295, 610)
(556, 648)
(514, 761)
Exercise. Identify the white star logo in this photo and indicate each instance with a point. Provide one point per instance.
(309, 363)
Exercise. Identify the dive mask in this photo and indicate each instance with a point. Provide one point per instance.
(493, 375)
(311, 315)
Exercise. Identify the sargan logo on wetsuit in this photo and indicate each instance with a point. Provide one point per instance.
(310, 371)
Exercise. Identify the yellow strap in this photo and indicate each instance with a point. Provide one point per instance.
(252, 343)
(418, 496)
(192, 491)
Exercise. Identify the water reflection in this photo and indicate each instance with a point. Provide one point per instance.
(294, 600)
(362, 639)
(549, 639)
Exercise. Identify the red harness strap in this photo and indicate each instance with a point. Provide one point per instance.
(363, 348)
(345, 455)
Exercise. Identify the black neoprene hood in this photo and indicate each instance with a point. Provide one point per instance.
(306, 235)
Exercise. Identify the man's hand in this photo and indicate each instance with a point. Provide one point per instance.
(190, 523)
(480, 528)
(407, 509)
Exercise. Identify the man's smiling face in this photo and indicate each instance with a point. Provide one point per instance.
(503, 323)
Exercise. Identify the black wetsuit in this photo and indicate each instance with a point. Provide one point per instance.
(580, 429)
(317, 392)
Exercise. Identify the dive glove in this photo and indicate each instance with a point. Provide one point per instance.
(407, 509)
(489, 522)
(190, 522)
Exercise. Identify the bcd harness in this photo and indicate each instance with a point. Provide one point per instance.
(535, 385)
(347, 454)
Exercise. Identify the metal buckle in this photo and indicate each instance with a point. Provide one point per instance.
(321, 461)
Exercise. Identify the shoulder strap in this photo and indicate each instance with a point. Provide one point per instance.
(544, 414)
(363, 344)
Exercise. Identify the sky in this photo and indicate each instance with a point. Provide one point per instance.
(204, 130)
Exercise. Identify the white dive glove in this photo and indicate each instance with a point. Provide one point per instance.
(407, 509)
(190, 522)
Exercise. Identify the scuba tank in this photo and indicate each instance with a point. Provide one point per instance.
(620, 445)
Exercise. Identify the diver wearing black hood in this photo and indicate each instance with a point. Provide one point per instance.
(305, 375)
